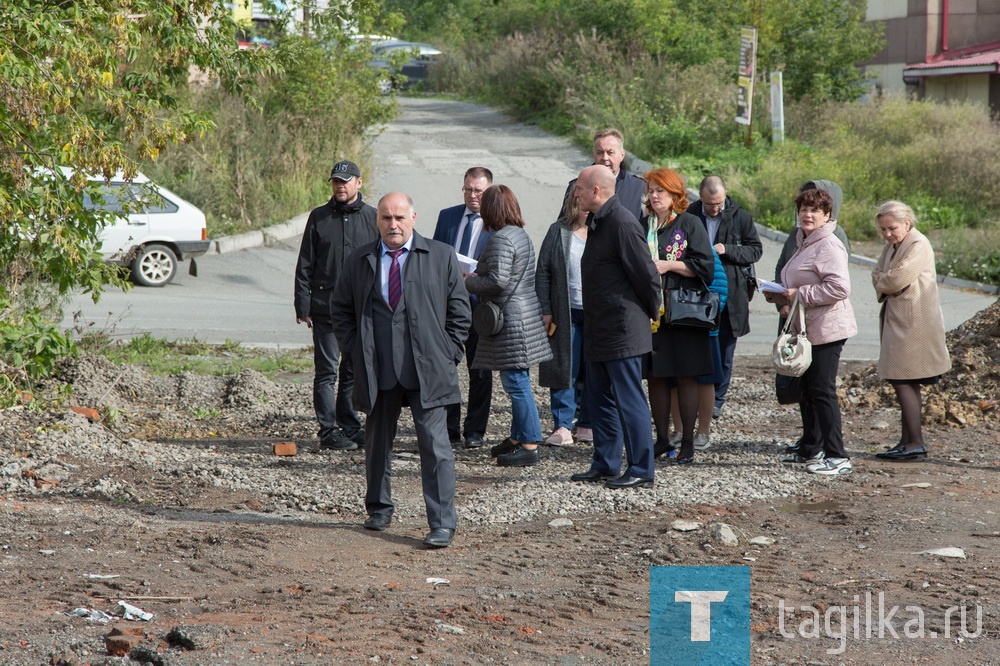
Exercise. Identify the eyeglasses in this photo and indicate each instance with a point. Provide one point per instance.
(705, 204)
(469, 190)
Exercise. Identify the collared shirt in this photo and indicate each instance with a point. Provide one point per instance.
(477, 229)
(712, 226)
(385, 262)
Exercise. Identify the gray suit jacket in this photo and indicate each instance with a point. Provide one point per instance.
(437, 309)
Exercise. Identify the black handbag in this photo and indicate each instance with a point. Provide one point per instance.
(750, 275)
(787, 389)
(693, 308)
(487, 317)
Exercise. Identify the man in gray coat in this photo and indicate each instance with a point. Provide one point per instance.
(401, 312)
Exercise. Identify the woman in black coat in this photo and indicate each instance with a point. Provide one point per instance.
(682, 253)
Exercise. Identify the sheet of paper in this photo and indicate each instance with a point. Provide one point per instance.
(773, 287)
(467, 264)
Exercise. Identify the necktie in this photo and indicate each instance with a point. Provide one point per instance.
(463, 247)
(395, 282)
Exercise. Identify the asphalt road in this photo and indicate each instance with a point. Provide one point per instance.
(246, 295)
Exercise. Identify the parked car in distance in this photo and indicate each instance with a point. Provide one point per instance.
(159, 229)
(415, 69)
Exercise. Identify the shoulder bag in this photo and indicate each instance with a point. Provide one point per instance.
(693, 308)
(792, 352)
(487, 318)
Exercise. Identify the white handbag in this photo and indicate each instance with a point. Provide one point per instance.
(792, 352)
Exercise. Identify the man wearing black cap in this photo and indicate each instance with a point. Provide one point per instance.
(332, 232)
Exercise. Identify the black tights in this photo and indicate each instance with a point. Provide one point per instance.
(908, 396)
(687, 401)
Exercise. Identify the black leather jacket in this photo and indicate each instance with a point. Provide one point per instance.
(332, 232)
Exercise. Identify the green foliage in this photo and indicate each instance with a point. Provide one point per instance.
(160, 357)
(92, 85)
(815, 42)
(33, 346)
(942, 159)
(268, 161)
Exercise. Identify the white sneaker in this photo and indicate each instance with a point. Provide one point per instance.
(831, 467)
(584, 435)
(701, 441)
(559, 437)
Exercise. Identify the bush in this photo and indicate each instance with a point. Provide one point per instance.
(264, 165)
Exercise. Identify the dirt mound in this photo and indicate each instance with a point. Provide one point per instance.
(966, 395)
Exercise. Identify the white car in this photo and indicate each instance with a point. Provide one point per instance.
(160, 229)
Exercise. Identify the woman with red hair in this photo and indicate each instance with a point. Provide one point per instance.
(682, 252)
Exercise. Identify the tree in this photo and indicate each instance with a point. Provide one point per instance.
(92, 85)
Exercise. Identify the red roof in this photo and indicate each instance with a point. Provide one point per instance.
(982, 59)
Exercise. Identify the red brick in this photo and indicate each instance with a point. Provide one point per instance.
(92, 414)
(284, 449)
(119, 646)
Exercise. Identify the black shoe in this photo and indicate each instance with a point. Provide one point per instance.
(899, 453)
(439, 537)
(506, 446)
(662, 447)
(592, 475)
(626, 481)
(473, 440)
(454, 437)
(683, 460)
(794, 448)
(336, 440)
(358, 437)
(378, 522)
(519, 457)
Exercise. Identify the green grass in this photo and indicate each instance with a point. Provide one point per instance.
(159, 357)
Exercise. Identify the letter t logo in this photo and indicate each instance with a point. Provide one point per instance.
(701, 610)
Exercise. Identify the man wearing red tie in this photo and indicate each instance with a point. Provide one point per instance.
(401, 312)
(462, 228)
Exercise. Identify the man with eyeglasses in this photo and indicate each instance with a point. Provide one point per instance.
(331, 233)
(462, 228)
(734, 237)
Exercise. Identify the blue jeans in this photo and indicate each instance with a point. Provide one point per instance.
(524, 426)
(564, 402)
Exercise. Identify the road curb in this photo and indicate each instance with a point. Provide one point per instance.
(261, 237)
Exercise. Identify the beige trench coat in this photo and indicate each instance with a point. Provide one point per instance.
(912, 326)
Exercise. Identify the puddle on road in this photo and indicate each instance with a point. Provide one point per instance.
(814, 507)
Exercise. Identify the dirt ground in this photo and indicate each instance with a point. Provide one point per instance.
(231, 578)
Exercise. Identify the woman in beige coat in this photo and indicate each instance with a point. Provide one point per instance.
(913, 351)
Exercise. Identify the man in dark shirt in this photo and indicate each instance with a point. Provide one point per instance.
(621, 294)
(332, 232)
(609, 150)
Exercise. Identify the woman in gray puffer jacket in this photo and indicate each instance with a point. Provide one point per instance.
(505, 275)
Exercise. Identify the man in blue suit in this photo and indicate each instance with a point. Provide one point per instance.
(461, 227)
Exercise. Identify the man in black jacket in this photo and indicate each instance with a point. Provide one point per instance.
(621, 294)
(609, 150)
(332, 232)
(734, 237)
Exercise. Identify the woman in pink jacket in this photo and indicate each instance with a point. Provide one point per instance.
(913, 352)
(817, 273)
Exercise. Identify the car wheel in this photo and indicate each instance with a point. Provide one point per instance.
(154, 265)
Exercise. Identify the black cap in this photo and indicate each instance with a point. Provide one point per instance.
(345, 170)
